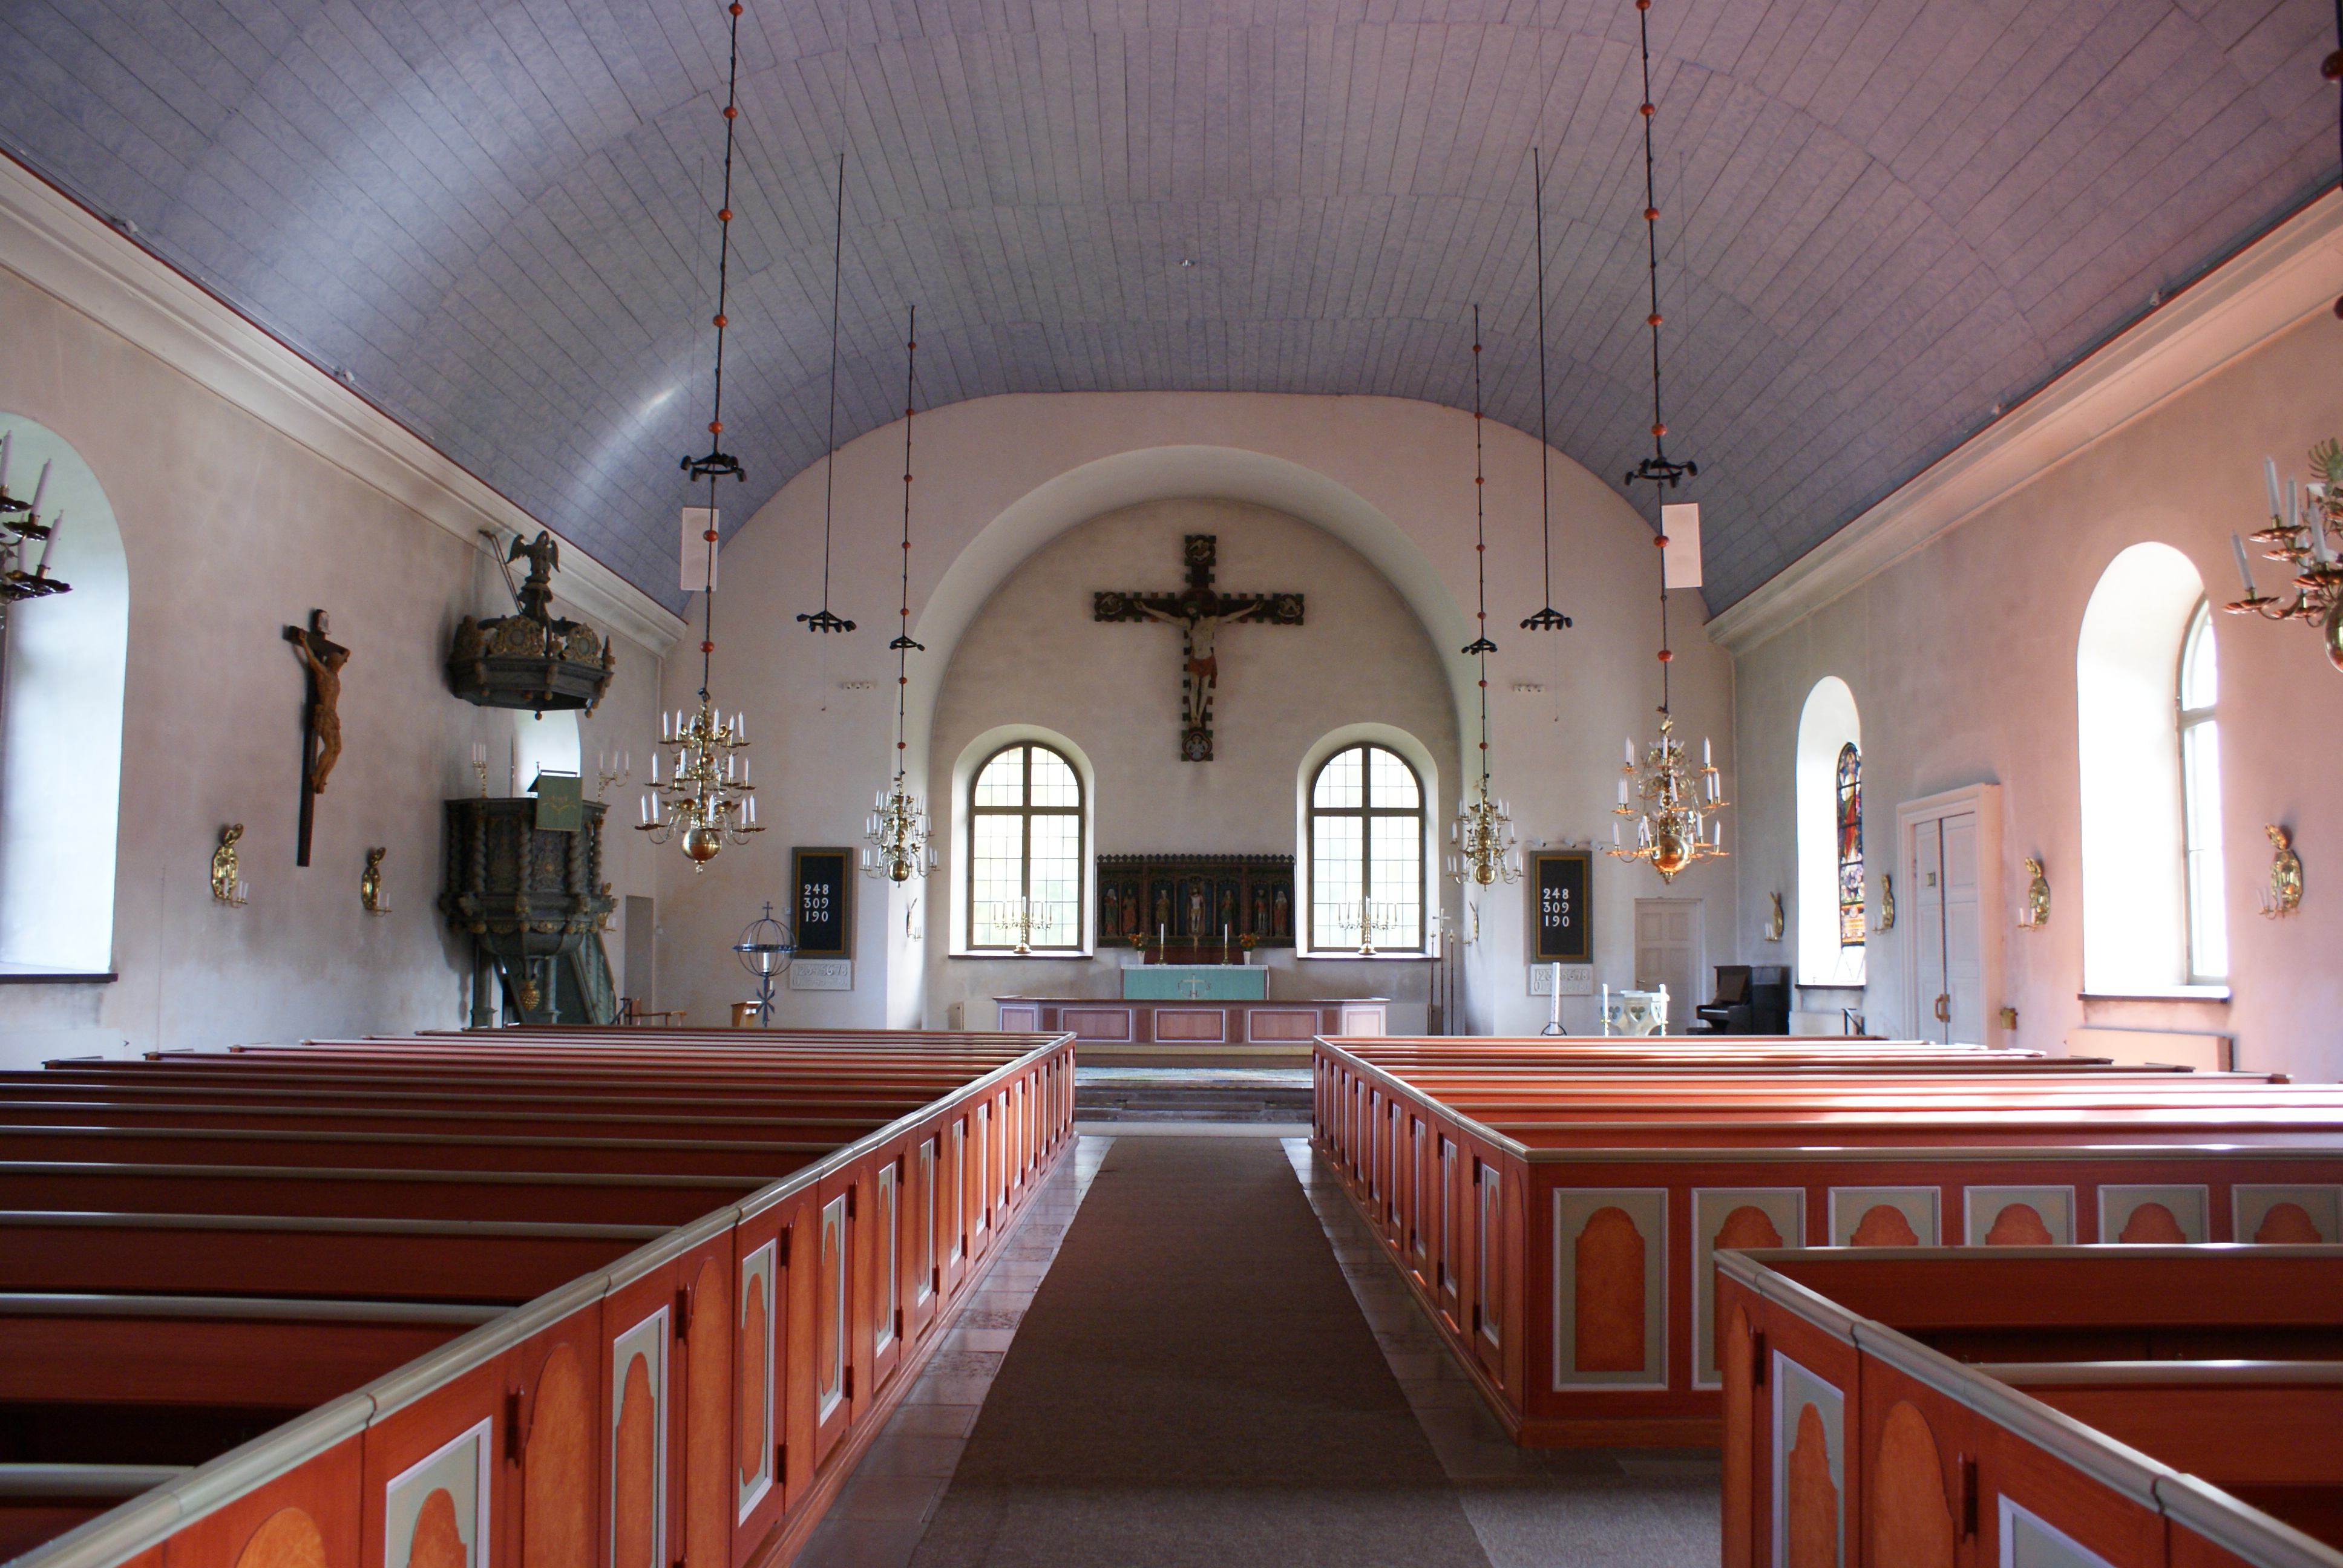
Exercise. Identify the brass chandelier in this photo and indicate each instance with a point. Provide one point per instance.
(1672, 806)
(1483, 833)
(707, 801)
(2299, 535)
(898, 825)
(20, 525)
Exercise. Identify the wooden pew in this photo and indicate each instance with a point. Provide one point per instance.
(745, 1356)
(1847, 1428)
(1558, 1221)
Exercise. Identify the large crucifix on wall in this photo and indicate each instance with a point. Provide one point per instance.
(1199, 610)
(321, 718)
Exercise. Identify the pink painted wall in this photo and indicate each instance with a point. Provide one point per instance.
(1962, 660)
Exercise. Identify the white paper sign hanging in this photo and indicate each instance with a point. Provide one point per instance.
(1681, 523)
(699, 549)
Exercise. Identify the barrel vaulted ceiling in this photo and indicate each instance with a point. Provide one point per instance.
(1880, 222)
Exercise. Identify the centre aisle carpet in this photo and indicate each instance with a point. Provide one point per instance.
(1194, 1383)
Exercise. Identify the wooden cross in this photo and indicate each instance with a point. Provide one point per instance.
(321, 719)
(1199, 610)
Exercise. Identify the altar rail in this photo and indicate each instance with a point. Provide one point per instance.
(2146, 1407)
(752, 1245)
(1557, 1208)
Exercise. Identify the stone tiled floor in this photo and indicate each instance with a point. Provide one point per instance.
(879, 1518)
(1530, 1508)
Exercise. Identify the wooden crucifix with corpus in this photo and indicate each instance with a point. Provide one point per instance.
(1199, 610)
(321, 726)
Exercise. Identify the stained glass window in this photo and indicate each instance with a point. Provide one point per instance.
(1850, 846)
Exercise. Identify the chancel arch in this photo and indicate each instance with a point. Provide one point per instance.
(2131, 732)
(65, 658)
(1831, 886)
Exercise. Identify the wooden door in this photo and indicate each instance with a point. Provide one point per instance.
(1668, 952)
(1947, 915)
(1932, 1005)
(1964, 973)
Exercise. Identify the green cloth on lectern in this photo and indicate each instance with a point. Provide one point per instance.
(559, 802)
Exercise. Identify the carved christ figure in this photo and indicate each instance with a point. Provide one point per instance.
(325, 660)
(1199, 610)
(1201, 614)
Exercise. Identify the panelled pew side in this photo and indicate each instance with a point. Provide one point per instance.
(1846, 1436)
(807, 1249)
(1476, 1217)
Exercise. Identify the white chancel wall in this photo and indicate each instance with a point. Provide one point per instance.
(1024, 506)
(1361, 657)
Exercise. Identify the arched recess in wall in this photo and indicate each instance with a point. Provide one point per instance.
(61, 727)
(1419, 756)
(1827, 725)
(2126, 675)
(1108, 483)
(960, 879)
(543, 741)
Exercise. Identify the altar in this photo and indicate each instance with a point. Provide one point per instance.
(1196, 1025)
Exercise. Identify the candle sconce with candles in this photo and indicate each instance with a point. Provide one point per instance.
(21, 527)
(2306, 532)
(228, 887)
(2282, 897)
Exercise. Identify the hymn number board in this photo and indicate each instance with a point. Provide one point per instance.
(1564, 923)
(825, 902)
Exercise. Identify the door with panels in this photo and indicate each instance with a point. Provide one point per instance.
(1952, 853)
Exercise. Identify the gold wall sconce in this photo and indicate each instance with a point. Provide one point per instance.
(2284, 894)
(1886, 920)
(1775, 922)
(228, 888)
(370, 884)
(2038, 898)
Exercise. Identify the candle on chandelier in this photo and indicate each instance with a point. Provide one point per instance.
(654, 769)
(7, 445)
(40, 488)
(1631, 751)
(56, 524)
(752, 810)
(2270, 479)
(1705, 761)
(1623, 791)
(1615, 833)
(2244, 568)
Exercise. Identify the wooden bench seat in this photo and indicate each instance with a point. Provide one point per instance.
(2177, 1460)
(777, 1232)
(1560, 1224)
(382, 1194)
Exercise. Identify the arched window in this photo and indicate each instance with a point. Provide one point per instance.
(1832, 928)
(2200, 802)
(1366, 850)
(63, 661)
(1025, 837)
(1850, 846)
(2150, 788)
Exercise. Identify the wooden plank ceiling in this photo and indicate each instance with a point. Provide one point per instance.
(1882, 220)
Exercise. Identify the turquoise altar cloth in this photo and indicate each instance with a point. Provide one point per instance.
(1195, 983)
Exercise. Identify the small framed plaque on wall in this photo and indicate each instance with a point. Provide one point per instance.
(824, 880)
(1563, 907)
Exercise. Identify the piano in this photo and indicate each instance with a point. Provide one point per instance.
(1751, 999)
